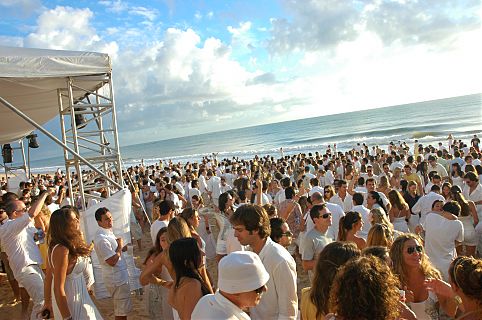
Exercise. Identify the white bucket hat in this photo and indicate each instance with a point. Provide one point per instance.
(241, 271)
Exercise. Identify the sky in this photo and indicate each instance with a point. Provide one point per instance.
(188, 67)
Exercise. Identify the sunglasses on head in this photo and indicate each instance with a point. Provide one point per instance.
(411, 250)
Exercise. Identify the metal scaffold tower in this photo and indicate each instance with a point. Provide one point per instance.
(89, 128)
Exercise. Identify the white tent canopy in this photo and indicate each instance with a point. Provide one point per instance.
(29, 79)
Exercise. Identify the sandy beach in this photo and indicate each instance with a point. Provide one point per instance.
(105, 305)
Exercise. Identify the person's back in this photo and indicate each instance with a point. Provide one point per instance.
(441, 234)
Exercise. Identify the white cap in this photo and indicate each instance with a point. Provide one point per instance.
(241, 271)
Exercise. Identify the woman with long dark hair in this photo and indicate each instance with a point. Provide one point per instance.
(68, 267)
(350, 224)
(188, 285)
(314, 299)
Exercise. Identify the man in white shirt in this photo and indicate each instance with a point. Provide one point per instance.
(316, 239)
(224, 186)
(166, 211)
(365, 213)
(17, 238)
(424, 206)
(109, 250)
(342, 197)
(443, 232)
(252, 227)
(242, 282)
(336, 214)
(214, 187)
(369, 174)
(280, 196)
(314, 182)
(308, 176)
(433, 165)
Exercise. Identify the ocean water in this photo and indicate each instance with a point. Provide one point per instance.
(429, 122)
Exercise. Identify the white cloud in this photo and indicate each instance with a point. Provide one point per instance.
(116, 6)
(149, 14)
(68, 29)
(322, 25)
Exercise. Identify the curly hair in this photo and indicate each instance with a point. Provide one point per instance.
(365, 289)
(329, 261)
(63, 231)
(466, 273)
(399, 268)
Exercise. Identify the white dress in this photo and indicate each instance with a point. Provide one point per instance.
(78, 298)
(470, 238)
(400, 224)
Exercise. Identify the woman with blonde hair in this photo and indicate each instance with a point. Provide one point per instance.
(41, 222)
(413, 268)
(349, 225)
(399, 212)
(380, 235)
(68, 269)
(384, 185)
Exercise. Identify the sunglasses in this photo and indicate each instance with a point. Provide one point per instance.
(411, 250)
(326, 215)
(287, 233)
(259, 291)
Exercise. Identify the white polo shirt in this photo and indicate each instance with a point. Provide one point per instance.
(105, 245)
(17, 241)
(216, 306)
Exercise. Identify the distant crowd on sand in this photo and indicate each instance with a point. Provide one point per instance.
(382, 233)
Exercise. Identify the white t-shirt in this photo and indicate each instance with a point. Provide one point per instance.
(155, 227)
(440, 236)
(336, 214)
(105, 245)
(17, 241)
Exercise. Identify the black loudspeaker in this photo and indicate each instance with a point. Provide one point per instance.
(7, 153)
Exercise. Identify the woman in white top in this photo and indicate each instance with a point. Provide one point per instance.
(69, 272)
(468, 217)
(399, 212)
(413, 268)
(457, 175)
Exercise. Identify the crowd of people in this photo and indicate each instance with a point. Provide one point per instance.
(382, 234)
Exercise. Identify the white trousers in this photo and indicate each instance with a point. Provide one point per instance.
(32, 279)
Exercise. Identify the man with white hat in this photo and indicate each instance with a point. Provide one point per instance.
(242, 281)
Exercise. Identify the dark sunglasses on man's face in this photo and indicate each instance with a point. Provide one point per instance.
(411, 250)
(326, 215)
(260, 290)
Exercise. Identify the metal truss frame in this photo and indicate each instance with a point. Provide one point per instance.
(95, 137)
(93, 144)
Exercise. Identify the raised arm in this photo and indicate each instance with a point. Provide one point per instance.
(37, 206)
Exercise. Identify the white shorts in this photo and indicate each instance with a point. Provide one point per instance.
(121, 296)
